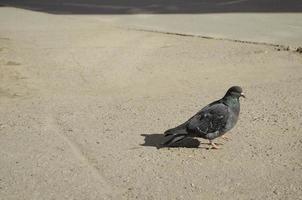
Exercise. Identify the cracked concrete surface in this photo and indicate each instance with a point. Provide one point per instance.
(83, 104)
(272, 28)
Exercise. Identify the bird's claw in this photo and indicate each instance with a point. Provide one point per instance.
(225, 137)
(214, 146)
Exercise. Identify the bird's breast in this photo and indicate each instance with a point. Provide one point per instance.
(232, 120)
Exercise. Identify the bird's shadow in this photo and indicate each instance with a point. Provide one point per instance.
(155, 140)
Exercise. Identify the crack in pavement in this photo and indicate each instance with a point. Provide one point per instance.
(80, 155)
(279, 46)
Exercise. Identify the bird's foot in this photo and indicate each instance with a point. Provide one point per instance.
(214, 146)
(225, 137)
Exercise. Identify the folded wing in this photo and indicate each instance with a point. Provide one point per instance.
(210, 121)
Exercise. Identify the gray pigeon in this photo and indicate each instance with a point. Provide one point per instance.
(211, 122)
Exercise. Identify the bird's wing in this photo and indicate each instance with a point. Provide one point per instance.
(210, 119)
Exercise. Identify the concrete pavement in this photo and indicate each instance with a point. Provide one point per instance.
(280, 29)
(264, 21)
(83, 105)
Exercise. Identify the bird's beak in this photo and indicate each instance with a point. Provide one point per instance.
(242, 95)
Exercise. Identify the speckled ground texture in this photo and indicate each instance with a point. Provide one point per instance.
(83, 105)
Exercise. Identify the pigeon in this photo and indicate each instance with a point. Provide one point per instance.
(210, 122)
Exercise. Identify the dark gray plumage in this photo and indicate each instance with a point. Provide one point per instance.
(211, 122)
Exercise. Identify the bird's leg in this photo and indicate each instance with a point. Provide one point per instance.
(225, 137)
(214, 146)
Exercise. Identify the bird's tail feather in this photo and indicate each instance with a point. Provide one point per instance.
(179, 128)
(171, 137)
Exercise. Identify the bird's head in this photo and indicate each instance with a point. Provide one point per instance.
(235, 91)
